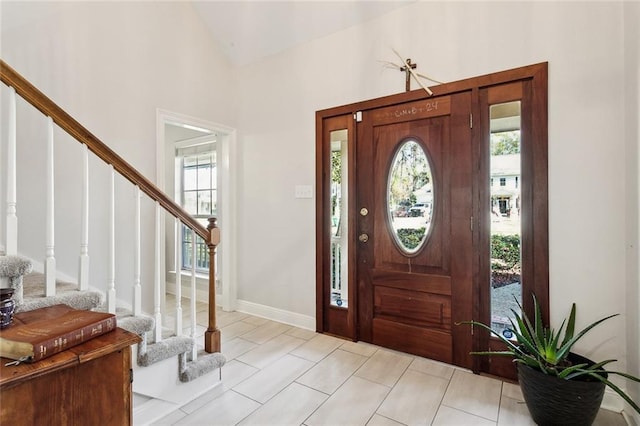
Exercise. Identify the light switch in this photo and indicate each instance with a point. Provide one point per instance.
(304, 191)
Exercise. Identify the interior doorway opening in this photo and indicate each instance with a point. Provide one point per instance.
(195, 165)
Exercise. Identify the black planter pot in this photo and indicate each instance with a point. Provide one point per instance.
(552, 401)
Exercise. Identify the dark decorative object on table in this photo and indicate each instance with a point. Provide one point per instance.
(7, 307)
(559, 386)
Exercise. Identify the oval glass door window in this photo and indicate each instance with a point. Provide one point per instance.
(410, 197)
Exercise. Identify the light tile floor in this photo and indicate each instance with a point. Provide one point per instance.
(278, 374)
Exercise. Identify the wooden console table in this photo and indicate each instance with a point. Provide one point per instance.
(89, 384)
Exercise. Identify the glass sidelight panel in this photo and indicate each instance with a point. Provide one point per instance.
(410, 197)
(505, 184)
(338, 273)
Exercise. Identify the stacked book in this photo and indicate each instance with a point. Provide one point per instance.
(43, 332)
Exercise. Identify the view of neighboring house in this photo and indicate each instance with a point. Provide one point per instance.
(505, 184)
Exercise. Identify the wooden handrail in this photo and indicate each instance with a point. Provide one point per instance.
(210, 235)
(49, 108)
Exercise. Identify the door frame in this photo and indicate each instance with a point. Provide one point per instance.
(534, 78)
(227, 161)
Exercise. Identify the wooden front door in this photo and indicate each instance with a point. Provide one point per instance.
(409, 300)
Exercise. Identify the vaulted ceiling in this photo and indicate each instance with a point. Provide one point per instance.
(250, 30)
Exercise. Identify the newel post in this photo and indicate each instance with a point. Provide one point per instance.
(212, 335)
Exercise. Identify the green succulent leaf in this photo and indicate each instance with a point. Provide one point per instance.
(573, 371)
(539, 328)
(537, 347)
(618, 390)
(568, 335)
(601, 364)
(563, 352)
(625, 375)
(556, 338)
(525, 340)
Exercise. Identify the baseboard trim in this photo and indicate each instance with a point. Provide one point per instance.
(287, 317)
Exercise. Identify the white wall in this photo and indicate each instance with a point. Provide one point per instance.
(583, 43)
(110, 65)
(632, 138)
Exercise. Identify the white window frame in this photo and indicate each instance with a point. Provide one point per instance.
(202, 145)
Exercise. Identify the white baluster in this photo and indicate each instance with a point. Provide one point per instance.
(50, 260)
(137, 287)
(111, 262)
(83, 270)
(158, 276)
(194, 354)
(178, 268)
(11, 247)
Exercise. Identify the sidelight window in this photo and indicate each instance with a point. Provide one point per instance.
(505, 241)
(339, 203)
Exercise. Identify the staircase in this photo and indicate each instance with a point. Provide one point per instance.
(154, 397)
(29, 295)
(171, 367)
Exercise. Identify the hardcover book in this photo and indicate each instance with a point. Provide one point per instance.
(46, 331)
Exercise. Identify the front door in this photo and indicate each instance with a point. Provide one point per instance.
(414, 227)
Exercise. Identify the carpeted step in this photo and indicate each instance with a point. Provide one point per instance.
(159, 351)
(205, 363)
(66, 293)
(150, 353)
(14, 268)
(139, 325)
(30, 295)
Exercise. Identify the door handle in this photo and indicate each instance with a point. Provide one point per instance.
(363, 238)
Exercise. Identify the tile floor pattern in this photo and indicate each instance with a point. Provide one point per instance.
(278, 374)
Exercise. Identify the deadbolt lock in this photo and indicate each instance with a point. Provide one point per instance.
(364, 211)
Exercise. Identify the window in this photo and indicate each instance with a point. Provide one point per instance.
(514, 259)
(503, 181)
(198, 193)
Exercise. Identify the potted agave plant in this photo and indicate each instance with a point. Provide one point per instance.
(559, 386)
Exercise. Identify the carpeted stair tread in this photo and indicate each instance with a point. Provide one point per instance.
(159, 351)
(66, 292)
(14, 266)
(85, 300)
(33, 284)
(13, 269)
(30, 294)
(139, 325)
(205, 363)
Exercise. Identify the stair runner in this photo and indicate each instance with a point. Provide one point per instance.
(29, 295)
